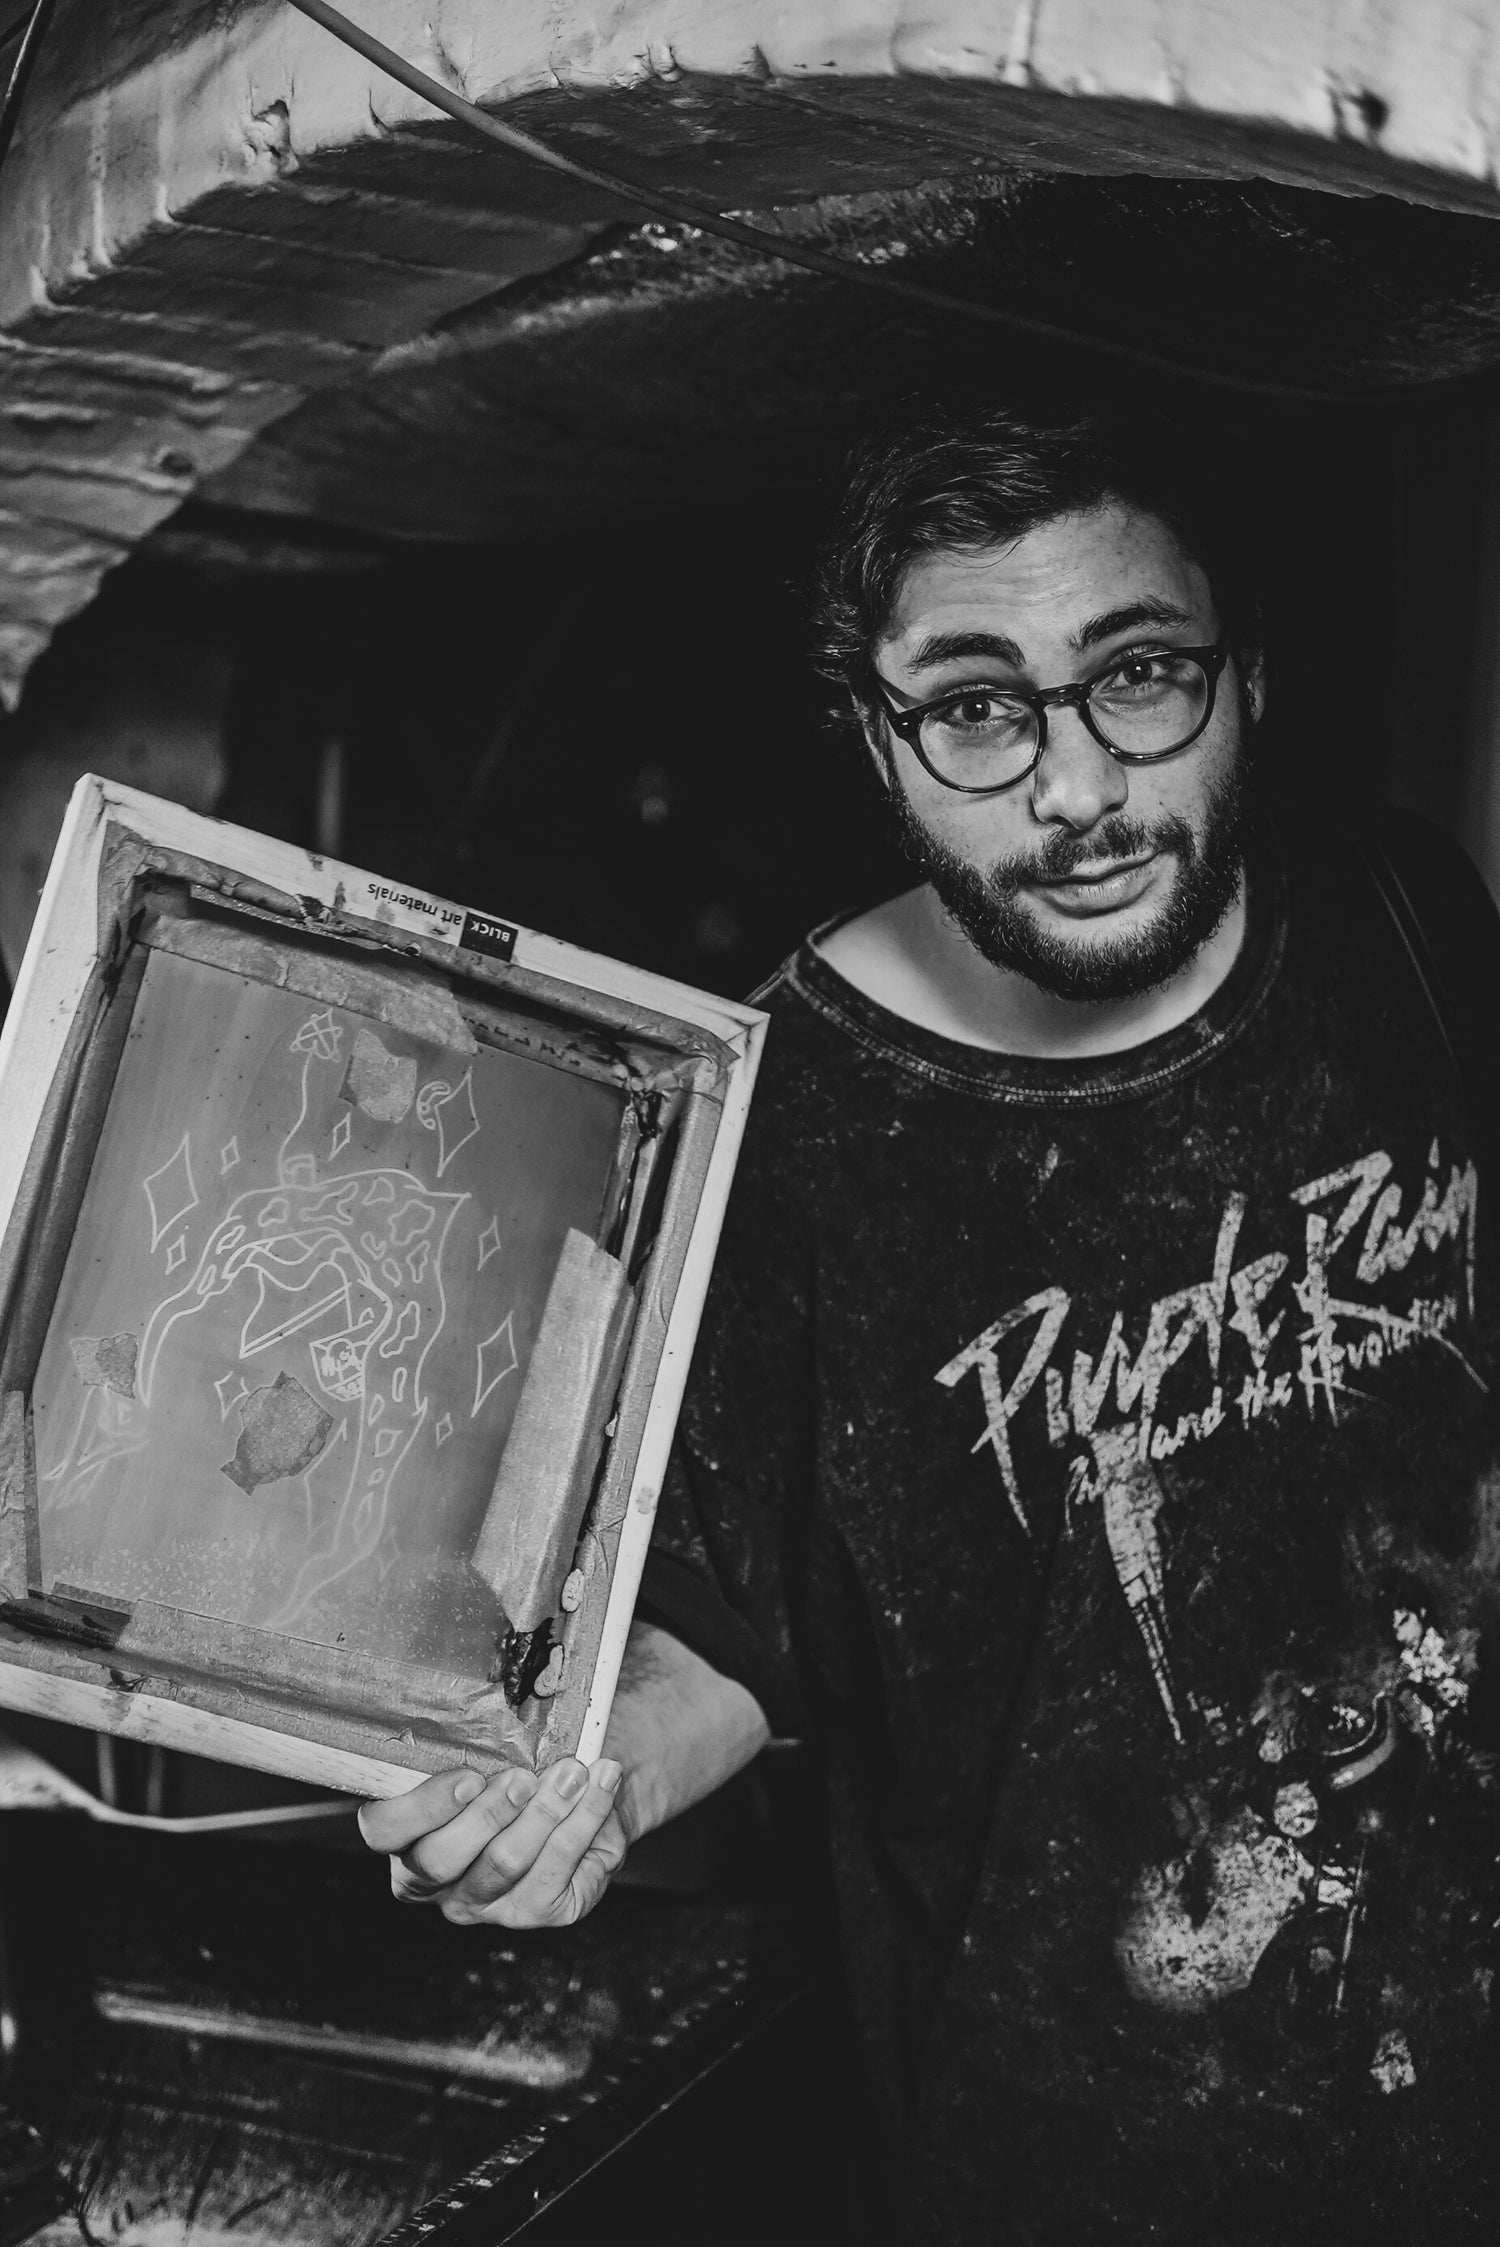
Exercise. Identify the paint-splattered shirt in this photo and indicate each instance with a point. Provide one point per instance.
(1099, 1459)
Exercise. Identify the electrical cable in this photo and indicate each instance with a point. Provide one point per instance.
(19, 19)
(29, 1782)
(21, 69)
(683, 211)
(221, 1821)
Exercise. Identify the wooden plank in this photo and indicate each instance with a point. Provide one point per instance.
(402, 998)
(530, 1529)
(17, 1476)
(58, 1182)
(173, 1724)
(673, 1300)
(34, 1158)
(343, 890)
(208, 1657)
(406, 1734)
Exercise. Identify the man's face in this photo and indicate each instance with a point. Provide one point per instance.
(1094, 879)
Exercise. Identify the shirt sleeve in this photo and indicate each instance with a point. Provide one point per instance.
(727, 1559)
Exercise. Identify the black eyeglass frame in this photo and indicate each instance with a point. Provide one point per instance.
(1075, 696)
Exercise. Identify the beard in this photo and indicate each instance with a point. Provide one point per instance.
(989, 906)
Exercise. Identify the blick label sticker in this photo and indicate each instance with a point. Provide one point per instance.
(496, 939)
(397, 908)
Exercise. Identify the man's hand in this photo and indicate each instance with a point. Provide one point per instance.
(528, 1851)
(522, 1851)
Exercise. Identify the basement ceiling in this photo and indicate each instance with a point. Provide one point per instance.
(262, 303)
(658, 368)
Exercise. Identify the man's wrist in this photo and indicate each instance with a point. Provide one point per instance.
(679, 1730)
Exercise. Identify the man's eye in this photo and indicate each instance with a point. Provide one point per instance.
(1137, 675)
(978, 711)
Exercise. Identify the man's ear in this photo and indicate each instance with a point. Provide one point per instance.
(1253, 671)
(872, 728)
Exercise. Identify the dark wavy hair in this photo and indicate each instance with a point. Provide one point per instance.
(946, 478)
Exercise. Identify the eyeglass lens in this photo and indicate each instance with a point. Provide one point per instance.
(1146, 707)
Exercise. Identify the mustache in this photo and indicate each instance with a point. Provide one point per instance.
(1117, 837)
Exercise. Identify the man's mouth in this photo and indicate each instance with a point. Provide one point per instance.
(1101, 886)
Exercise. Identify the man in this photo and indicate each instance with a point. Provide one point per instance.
(1091, 1442)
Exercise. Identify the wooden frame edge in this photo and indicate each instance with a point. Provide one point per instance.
(667, 1393)
(174, 1724)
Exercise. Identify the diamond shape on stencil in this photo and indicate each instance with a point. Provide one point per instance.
(448, 1109)
(229, 1389)
(170, 1191)
(493, 1359)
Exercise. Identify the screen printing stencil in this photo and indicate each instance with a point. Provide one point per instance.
(297, 1312)
(352, 1246)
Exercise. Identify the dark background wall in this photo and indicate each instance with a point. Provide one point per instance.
(617, 737)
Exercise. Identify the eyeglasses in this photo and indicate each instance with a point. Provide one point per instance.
(1140, 707)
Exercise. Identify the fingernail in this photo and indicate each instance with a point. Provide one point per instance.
(470, 1785)
(609, 1776)
(571, 1780)
(520, 1788)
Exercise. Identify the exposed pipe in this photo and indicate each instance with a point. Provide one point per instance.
(17, 14)
(681, 211)
(21, 69)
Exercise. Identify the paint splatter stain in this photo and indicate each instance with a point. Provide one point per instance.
(381, 1083)
(1392, 2068)
(282, 1430)
(1197, 1928)
(1295, 1810)
(106, 1361)
(1429, 1661)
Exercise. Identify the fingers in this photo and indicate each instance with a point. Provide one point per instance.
(534, 1903)
(445, 1854)
(394, 1825)
(566, 1787)
(552, 1862)
(519, 1851)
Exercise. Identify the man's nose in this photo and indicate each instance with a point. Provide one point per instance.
(1076, 783)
